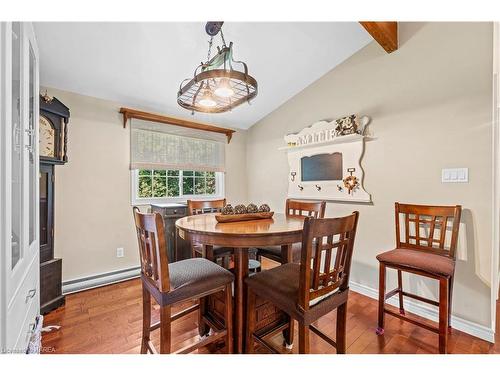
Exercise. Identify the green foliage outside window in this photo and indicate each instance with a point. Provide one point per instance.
(171, 183)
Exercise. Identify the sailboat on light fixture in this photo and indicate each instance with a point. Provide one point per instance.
(219, 84)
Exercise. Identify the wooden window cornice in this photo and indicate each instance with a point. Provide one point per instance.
(129, 113)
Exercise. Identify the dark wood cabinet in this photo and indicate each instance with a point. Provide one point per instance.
(177, 248)
(51, 295)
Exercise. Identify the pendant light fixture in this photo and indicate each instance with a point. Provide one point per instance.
(220, 83)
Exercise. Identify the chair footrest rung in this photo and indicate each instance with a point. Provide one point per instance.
(392, 293)
(174, 317)
(423, 299)
(264, 343)
(416, 322)
(325, 337)
(203, 342)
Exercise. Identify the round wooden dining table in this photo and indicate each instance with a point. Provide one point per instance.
(204, 229)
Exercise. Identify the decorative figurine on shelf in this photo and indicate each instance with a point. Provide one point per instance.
(264, 208)
(252, 208)
(240, 209)
(227, 210)
(346, 125)
(351, 182)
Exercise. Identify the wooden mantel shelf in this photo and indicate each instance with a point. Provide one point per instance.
(129, 113)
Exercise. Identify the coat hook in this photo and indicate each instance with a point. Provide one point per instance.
(301, 187)
(293, 174)
(318, 187)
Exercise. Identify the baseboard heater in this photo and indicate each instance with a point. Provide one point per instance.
(94, 281)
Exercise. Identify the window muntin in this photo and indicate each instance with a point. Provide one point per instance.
(151, 184)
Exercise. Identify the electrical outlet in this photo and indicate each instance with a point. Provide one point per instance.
(119, 252)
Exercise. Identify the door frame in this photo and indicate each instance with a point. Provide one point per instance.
(5, 167)
(495, 255)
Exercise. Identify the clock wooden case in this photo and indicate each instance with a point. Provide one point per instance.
(53, 133)
(54, 117)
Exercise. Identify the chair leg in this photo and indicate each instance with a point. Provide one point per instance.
(450, 298)
(381, 300)
(146, 320)
(400, 287)
(341, 328)
(443, 315)
(165, 329)
(303, 339)
(249, 346)
(203, 327)
(228, 318)
(288, 334)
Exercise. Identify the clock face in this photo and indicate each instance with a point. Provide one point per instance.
(47, 138)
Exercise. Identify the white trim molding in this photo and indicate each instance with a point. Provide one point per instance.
(94, 281)
(428, 312)
(495, 257)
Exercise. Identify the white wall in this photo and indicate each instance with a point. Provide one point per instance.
(430, 105)
(93, 213)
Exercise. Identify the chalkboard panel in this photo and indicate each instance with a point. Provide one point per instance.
(322, 167)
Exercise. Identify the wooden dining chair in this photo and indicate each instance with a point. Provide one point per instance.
(311, 289)
(422, 249)
(293, 208)
(197, 207)
(171, 283)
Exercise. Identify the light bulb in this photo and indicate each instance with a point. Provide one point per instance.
(207, 99)
(224, 89)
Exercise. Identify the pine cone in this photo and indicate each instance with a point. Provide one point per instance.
(252, 208)
(264, 208)
(240, 209)
(227, 210)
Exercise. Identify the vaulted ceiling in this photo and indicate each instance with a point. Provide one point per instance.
(141, 65)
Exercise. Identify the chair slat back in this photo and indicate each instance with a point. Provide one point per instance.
(328, 267)
(152, 248)
(197, 207)
(426, 228)
(295, 208)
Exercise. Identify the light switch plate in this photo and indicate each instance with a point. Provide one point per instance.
(455, 175)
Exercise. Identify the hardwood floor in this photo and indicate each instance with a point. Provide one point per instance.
(108, 320)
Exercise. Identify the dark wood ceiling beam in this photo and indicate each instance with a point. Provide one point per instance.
(385, 33)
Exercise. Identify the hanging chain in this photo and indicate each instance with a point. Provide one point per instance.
(222, 37)
(209, 48)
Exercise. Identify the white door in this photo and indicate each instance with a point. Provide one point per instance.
(19, 173)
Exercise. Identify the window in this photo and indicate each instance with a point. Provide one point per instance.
(156, 186)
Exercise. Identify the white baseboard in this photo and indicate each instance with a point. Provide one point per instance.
(429, 312)
(94, 281)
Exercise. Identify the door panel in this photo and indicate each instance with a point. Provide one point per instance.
(46, 212)
(17, 147)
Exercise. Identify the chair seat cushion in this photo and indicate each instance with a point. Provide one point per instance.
(417, 260)
(280, 286)
(194, 277)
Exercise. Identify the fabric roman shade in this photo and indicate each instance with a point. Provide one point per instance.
(161, 146)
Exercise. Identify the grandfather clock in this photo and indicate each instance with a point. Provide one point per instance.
(54, 117)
